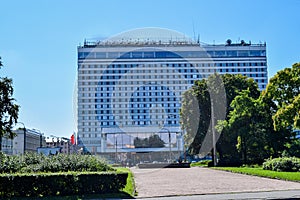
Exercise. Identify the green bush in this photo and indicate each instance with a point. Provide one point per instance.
(32, 162)
(283, 164)
(71, 183)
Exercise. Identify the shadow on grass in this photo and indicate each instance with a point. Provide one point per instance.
(120, 195)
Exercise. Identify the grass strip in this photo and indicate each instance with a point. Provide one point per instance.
(258, 171)
(203, 163)
(130, 186)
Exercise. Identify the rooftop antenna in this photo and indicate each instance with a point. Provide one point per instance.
(194, 31)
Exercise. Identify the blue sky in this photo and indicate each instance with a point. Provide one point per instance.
(39, 39)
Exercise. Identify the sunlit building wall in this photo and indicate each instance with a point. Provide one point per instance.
(128, 88)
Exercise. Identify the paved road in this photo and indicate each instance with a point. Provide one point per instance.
(290, 194)
(200, 181)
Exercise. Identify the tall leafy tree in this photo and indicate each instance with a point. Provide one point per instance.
(262, 127)
(284, 91)
(8, 108)
(227, 149)
(195, 115)
(283, 96)
(196, 109)
(249, 126)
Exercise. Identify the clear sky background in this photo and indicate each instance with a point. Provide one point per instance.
(39, 39)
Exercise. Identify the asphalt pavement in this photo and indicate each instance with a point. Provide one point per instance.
(286, 194)
(204, 183)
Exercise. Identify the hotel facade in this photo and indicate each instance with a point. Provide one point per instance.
(132, 89)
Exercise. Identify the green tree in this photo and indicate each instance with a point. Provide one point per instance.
(227, 149)
(154, 141)
(283, 96)
(284, 91)
(194, 122)
(288, 115)
(249, 127)
(8, 109)
(262, 127)
(196, 109)
(292, 149)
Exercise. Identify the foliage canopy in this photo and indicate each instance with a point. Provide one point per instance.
(8, 109)
(257, 124)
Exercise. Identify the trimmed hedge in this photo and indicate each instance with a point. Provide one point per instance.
(283, 164)
(71, 183)
(34, 163)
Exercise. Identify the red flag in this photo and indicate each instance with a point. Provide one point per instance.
(72, 139)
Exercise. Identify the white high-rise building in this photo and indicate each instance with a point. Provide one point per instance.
(132, 88)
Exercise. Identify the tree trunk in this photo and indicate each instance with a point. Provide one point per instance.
(0, 143)
(244, 150)
(213, 157)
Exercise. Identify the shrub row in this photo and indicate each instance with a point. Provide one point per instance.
(283, 164)
(51, 184)
(32, 162)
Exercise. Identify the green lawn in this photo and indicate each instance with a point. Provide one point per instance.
(258, 171)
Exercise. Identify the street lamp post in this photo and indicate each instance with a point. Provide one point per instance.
(170, 145)
(116, 156)
(213, 133)
(179, 142)
(170, 156)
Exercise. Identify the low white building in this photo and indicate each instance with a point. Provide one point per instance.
(60, 142)
(7, 146)
(27, 140)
